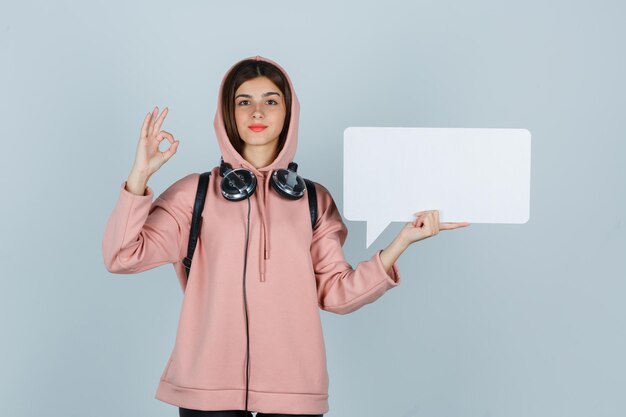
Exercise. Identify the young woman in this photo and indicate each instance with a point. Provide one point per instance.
(250, 334)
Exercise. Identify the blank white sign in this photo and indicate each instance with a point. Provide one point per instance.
(467, 174)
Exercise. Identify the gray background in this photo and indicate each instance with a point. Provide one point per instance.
(490, 320)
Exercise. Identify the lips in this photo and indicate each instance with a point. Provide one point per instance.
(257, 128)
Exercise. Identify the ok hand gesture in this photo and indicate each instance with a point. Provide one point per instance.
(149, 158)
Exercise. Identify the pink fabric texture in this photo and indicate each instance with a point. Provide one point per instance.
(292, 272)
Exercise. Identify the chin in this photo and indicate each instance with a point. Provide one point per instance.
(258, 140)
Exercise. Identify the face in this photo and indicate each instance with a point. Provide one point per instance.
(259, 102)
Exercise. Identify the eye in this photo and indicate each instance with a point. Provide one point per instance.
(246, 101)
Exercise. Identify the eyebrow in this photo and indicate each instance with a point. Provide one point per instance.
(269, 93)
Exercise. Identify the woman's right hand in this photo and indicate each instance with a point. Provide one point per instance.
(149, 158)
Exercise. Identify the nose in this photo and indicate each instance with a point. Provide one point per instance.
(256, 111)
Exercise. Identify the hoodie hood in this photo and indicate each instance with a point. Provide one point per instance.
(233, 157)
(282, 160)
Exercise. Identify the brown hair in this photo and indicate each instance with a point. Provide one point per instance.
(242, 72)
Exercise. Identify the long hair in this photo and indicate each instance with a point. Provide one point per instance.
(242, 72)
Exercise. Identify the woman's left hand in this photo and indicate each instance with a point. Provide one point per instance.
(426, 225)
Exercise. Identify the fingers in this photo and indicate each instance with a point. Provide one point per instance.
(418, 218)
(430, 213)
(167, 154)
(164, 134)
(450, 225)
(154, 122)
(151, 119)
(145, 125)
(429, 219)
(159, 121)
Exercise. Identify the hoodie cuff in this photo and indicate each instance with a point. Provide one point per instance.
(393, 277)
(148, 193)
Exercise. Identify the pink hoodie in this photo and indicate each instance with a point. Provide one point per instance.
(292, 272)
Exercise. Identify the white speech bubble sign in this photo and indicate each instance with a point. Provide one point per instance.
(470, 175)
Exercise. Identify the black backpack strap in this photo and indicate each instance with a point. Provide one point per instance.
(196, 219)
(312, 196)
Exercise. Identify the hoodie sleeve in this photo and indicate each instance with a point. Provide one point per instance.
(141, 234)
(340, 288)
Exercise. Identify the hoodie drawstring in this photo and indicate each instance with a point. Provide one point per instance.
(264, 230)
(261, 191)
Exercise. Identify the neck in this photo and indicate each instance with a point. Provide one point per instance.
(259, 156)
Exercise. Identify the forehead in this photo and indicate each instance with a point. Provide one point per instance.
(257, 85)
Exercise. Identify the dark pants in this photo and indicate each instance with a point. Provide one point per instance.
(186, 412)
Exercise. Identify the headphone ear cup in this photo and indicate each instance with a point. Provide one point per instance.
(238, 184)
(288, 184)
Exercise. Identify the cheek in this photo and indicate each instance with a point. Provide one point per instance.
(239, 118)
(279, 118)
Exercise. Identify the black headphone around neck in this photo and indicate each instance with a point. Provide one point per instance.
(240, 183)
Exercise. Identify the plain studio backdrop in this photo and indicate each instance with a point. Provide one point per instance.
(490, 320)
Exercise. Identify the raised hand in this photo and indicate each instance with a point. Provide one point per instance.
(149, 158)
